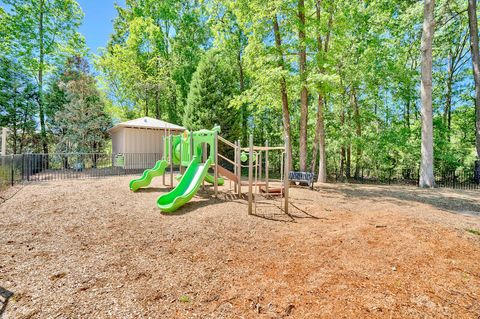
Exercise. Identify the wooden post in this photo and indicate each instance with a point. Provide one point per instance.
(266, 166)
(215, 172)
(12, 170)
(239, 168)
(181, 150)
(191, 146)
(259, 164)
(164, 152)
(250, 175)
(204, 159)
(171, 159)
(286, 182)
(235, 150)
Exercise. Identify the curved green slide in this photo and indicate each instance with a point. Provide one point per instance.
(208, 178)
(211, 179)
(148, 175)
(187, 188)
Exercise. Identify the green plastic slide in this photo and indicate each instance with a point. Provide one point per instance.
(208, 178)
(187, 188)
(148, 175)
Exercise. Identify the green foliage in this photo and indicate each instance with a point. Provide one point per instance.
(45, 47)
(216, 62)
(82, 120)
(184, 298)
(17, 106)
(41, 34)
(473, 231)
(152, 55)
(213, 86)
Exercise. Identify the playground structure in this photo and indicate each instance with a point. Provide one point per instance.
(198, 152)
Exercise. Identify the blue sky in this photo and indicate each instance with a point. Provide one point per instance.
(97, 23)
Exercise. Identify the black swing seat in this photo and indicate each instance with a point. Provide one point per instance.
(302, 177)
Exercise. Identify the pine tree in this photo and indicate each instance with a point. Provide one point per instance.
(213, 86)
(83, 119)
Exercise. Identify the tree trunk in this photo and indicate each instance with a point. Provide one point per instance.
(243, 108)
(319, 143)
(426, 166)
(15, 121)
(342, 151)
(358, 132)
(146, 102)
(302, 57)
(157, 106)
(473, 25)
(43, 130)
(322, 165)
(407, 113)
(447, 111)
(348, 164)
(283, 89)
(342, 163)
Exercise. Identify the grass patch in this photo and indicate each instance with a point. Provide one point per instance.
(184, 298)
(473, 231)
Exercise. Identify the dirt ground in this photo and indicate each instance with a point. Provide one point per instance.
(93, 249)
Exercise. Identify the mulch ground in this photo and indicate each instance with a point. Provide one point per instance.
(93, 249)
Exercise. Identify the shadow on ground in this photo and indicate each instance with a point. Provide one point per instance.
(153, 190)
(464, 203)
(203, 198)
(5, 296)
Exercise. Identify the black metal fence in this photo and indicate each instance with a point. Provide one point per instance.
(463, 178)
(48, 167)
(459, 179)
(378, 176)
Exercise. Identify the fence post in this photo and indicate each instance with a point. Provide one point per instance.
(29, 165)
(23, 167)
(477, 171)
(12, 169)
(215, 167)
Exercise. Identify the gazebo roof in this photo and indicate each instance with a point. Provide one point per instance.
(148, 123)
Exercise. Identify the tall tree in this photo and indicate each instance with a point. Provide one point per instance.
(150, 59)
(44, 33)
(319, 140)
(473, 26)
(83, 120)
(17, 106)
(283, 87)
(302, 62)
(426, 166)
(212, 89)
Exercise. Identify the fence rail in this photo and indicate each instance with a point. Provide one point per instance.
(466, 178)
(49, 167)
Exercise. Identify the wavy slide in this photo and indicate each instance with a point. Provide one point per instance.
(148, 175)
(211, 179)
(208, 178)
(187, 188)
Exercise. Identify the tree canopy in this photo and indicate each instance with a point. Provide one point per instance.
(341, 78)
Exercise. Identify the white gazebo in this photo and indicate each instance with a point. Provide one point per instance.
(140, 141)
